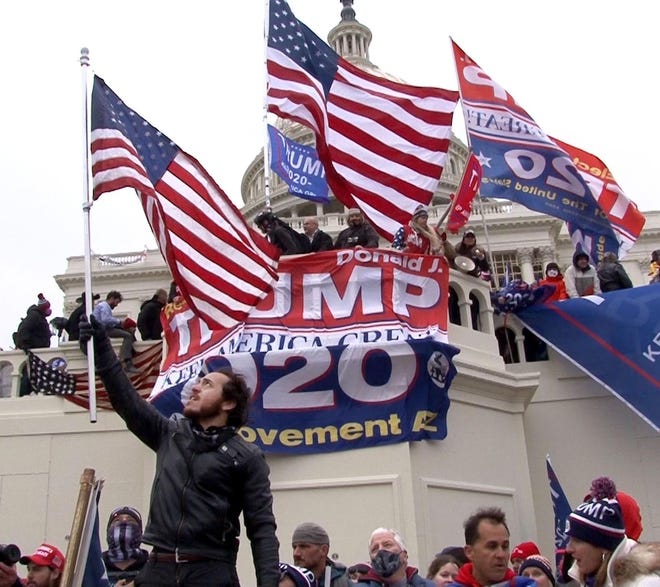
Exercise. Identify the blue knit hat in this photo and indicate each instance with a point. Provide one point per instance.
(598, 522)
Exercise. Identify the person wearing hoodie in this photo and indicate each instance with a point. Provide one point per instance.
(612, 275)
(124, 558)
(554, 278)
(148, 320)
(389, 562)
(597, 538)
(581, 278)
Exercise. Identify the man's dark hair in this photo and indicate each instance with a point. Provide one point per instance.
(494, 515)
(113, 294)
(236, 389)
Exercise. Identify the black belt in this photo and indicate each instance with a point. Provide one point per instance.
(159, 556)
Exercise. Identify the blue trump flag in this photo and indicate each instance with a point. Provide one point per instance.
(562, 509)
(523, 164)
(613, 337)
(298, 166)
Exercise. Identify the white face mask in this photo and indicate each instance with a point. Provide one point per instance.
(553, 273)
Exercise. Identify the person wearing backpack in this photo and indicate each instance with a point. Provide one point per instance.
(281, 234)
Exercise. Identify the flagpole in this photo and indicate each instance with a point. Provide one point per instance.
(87, 206)
(265, 107)
(478, 196)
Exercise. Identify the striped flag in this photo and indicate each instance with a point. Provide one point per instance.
(383, 143)
(146, 361)
(221, 265)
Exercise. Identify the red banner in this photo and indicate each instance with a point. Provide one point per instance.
(325, 299)
(460, 213)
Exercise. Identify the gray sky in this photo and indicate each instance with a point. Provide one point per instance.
(585, 71)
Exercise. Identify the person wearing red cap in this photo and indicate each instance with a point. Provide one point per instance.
(45, 566)
(520, 553)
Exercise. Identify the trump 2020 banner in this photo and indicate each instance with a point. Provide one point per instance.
(373, 312)
(298, 166)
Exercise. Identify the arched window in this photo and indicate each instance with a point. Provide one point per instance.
(506, 342)
(5, 379)
(535, 348)
(474, 312)
(454, 311)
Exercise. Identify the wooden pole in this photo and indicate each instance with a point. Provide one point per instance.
(79, 515)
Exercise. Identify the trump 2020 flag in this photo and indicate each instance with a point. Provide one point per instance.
(561, 509)
(221, 266)
(298, 166)
(521, 163)
(626, 220)
(383, 143)
(467, 190)
(613, 337)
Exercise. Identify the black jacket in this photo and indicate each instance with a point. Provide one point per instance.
(148, 320)
(33, 331)
(321, 241)
(613, 276)
(200, 489)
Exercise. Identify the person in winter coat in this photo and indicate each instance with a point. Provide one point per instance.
(389, 562)
(33, 331)
(358, 233)
(611, 275)
(418, 237)
(554, 277)
(597, 538)
(148, 320)
(468, 248)
(639, 568)
(581, 278)
(654, 267)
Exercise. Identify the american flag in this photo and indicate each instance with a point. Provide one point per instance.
(48, 379)
(383, 143)
(146, 361)
(221, 265)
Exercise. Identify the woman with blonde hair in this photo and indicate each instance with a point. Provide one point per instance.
(418, 237)
(596, 539)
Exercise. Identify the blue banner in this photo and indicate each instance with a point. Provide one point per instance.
(326, 399)
(298, 166)
(613, 337)
(562, 510)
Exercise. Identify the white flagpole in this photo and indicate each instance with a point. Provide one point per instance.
(265, 118)
(87, 206)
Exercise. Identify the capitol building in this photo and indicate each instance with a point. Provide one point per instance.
(511, 405)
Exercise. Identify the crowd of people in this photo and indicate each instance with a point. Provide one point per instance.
(207, 477)
(603, 550)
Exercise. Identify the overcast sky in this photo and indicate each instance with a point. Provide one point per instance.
(585, 71)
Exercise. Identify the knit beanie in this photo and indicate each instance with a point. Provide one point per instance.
(603, 487)
(43, 305)
(540, 562)
(310, 533)
(598, 522)
(300, 577)
(523, 550)
(552, 265)
(128, 510)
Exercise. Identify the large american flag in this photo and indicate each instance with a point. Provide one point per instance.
(221, 265)
(383, 144)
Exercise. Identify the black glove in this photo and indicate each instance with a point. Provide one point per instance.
(104, 354)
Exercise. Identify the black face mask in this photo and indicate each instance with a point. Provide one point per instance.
(386, 563)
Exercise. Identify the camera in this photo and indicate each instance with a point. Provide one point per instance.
(10, 554)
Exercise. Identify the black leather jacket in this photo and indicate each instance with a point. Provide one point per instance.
(200, 488)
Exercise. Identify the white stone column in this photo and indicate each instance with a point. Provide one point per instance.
(525, 261)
